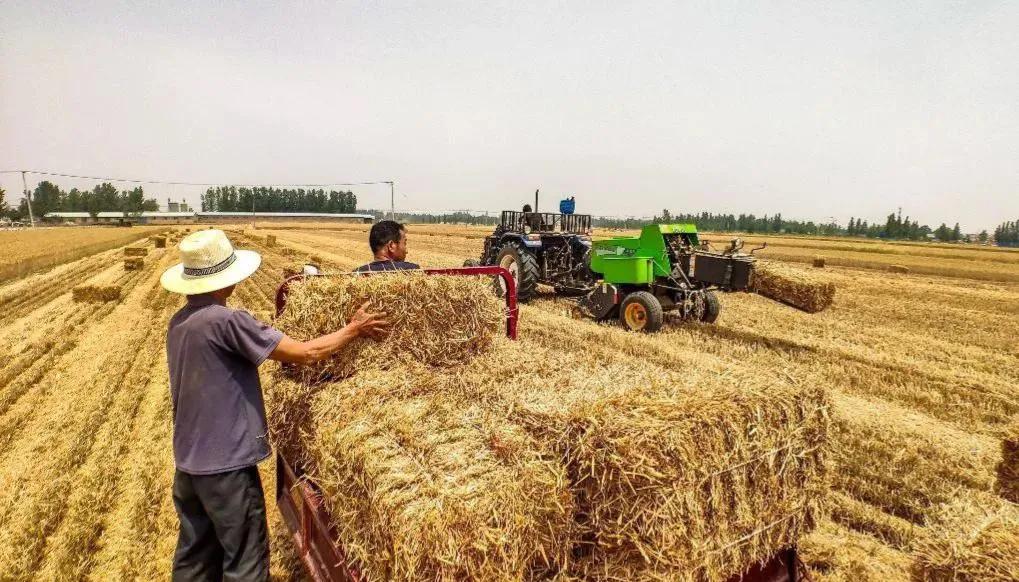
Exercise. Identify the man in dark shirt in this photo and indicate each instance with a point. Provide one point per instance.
(388, 241)
(219, 425)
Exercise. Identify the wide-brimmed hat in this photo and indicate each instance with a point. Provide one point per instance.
(210, 263)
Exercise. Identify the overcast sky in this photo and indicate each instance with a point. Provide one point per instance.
(810, 109)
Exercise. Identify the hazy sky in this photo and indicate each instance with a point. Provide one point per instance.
(811, 109)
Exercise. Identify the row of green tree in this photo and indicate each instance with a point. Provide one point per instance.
(747, 223)
(267, 199)
(1007, 233)
(48, 197)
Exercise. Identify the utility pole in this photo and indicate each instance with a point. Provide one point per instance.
(28, 197)
(392, 201)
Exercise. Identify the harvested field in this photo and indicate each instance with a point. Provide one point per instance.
(922, 368)
(29, 251)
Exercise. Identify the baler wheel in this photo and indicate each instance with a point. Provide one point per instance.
(711, 307)
(641, 311)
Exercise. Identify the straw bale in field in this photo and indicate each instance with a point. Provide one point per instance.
(95, 293)
(435, 320)
(898, 269)
(270, 240)
(973, 538)
(819, 262)
(796, 287)
(287, 252)
(420, 488)
(133, 264)
(1008, 467)
(160, 242)
(135, 251)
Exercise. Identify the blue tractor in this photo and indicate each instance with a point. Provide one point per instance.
(542, 247)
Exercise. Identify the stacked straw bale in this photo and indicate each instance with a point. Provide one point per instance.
(1007, 484)
(513, 465)
(95, 293)
(133, 264)
(160, 242)
(973, 538)
(439, 321)
(798, 288)
(898, 269)
(135, 251)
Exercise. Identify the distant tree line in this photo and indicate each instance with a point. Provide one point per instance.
(438, 218)
(1007, 234)
(267, 199)
(747, 223)
(48, 197)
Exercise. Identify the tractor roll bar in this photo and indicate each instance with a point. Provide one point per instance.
(512, 310)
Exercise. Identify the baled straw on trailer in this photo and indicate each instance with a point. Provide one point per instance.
(798, 288)
(436, 320)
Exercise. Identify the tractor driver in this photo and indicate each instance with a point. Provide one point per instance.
(388, 241)
(531, 218)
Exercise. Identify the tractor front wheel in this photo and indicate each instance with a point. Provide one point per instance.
(524, 268)
(641, 311)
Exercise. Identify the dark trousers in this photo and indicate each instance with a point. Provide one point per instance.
(223, 532)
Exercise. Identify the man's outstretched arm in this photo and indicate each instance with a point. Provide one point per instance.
(363, 324)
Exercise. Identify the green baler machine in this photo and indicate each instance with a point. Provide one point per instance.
(665, 269)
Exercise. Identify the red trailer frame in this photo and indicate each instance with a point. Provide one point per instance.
(303, 508)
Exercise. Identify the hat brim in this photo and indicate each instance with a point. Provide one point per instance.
(175, 281)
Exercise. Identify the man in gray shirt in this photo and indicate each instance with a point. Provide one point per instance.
(219, 425)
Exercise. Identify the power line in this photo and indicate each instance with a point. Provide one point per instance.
(171, 183)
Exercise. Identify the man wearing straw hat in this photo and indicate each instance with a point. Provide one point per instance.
(219, 425)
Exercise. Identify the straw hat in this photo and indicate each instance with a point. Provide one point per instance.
(210, 263)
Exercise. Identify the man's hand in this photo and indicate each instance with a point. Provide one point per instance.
(373, 325)
(363, 324)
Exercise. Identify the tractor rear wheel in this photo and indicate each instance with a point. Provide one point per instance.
(524, 268)
(711, 307)
(641, 311)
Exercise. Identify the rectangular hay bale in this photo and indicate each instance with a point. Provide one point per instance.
(436, 320)
(159, 241)
(133, 264)
(95, 293)
(136, 251)
(798, 288)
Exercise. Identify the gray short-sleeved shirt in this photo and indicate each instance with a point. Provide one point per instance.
(218, 413)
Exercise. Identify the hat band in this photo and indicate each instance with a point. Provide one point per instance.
(193, 272)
